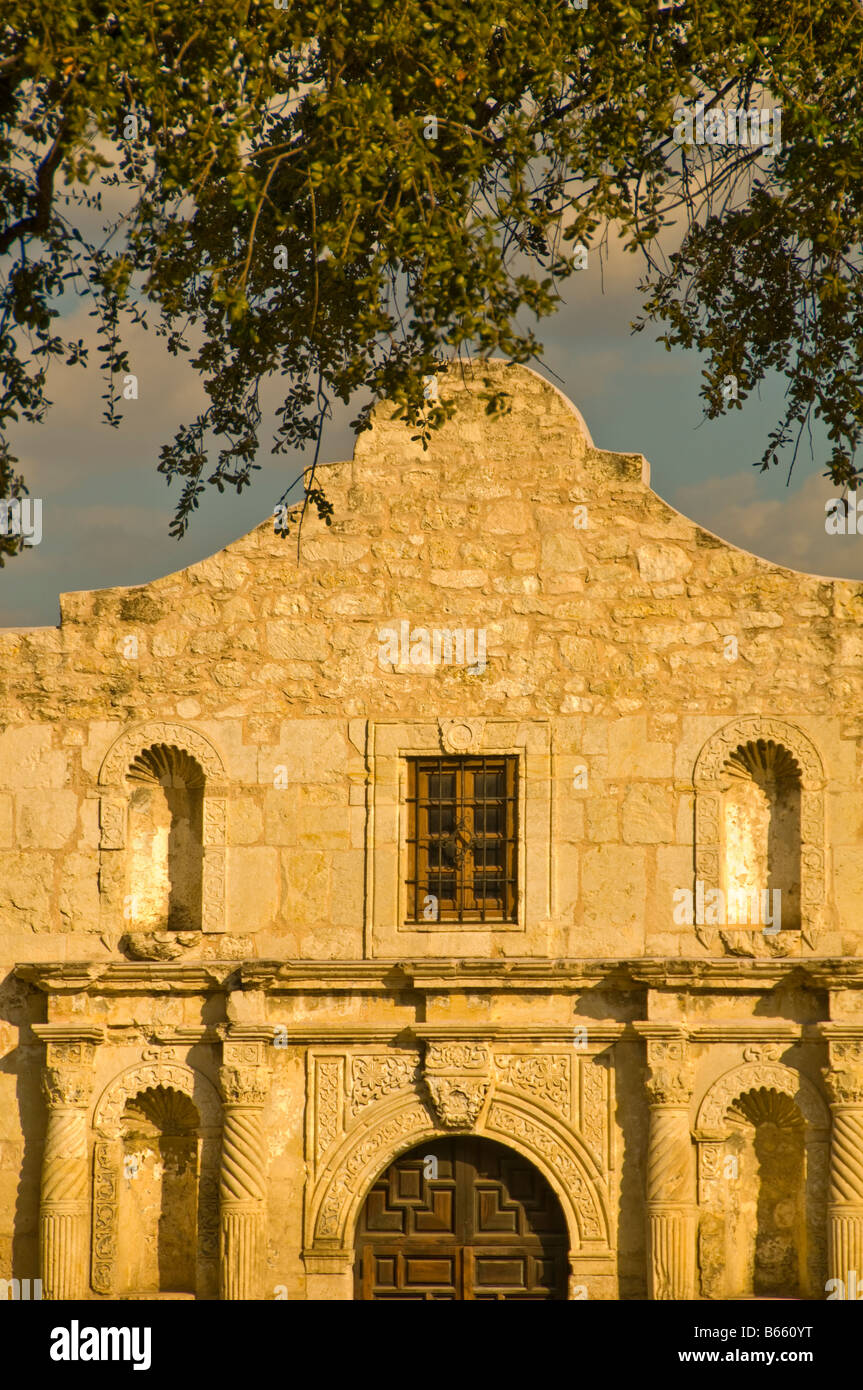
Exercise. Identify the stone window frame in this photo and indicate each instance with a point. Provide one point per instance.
(711, 782)
(114, 800)
(391, 743)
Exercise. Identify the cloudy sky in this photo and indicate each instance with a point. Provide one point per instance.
(106, 509)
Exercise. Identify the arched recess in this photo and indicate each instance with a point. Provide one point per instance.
(148, 1089)
(399, 1125)
(775, 752)
(140, 755)
(752, 1091)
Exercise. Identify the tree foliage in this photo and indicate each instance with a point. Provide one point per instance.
(341, 194)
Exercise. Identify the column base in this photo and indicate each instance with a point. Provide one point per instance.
(671, 1245)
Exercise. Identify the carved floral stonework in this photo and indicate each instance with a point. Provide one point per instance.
(106, 1207)
(67, 1077)
(762, 1052)
(711, 779)
(458, 1056)
(163, 945)
(594, 1120)
(710, 1156)
(112, 822)
(66, 1086)
(215, 820)
(546, 1076)
(213, 889)
(170, 1075)
(378, 1075)
(328, 1122)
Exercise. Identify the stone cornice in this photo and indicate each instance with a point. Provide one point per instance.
(127, 977)
(68, 1032)
(437, 976)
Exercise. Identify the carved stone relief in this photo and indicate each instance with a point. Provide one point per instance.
(547, 1076)
(458, 1077)
(378, 1075)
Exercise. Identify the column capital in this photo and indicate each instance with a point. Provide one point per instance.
(67, 1077)
(244, 1076)
(844, 1076)
(66, 1087)
(671, 1068)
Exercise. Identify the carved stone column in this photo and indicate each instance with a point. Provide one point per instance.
(844, 1080)
(67, 1084)
(671, 1205)
(243, 1175)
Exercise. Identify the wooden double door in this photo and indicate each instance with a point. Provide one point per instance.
(461, 1218)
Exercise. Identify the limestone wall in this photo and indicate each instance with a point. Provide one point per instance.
(607, 636)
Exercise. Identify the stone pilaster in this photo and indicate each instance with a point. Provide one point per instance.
(671, 1204)
(844, 1080)
(244, 1081)
(67, 1085)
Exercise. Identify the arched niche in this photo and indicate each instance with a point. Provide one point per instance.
(759, 829)
(763, 1155)
(157, 1135)
(162, 800)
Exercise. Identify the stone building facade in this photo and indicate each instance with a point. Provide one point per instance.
(372, 925)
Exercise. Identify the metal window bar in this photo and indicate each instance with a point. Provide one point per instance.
(462, 837)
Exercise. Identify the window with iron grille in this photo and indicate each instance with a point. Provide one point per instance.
(462, 839)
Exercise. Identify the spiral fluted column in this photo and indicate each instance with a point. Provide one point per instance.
(67, 1083)
(243, 1173)
(844, 1080)
(671, 1204)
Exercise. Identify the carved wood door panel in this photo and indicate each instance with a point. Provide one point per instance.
(461, 1219)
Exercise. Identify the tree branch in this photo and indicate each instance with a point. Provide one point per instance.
(39, 220)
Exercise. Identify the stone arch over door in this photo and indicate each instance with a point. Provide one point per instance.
(712, 779)
(165, 1079)
(552, 1148)
(114, 809)
(464, 1218)
(714, 1127)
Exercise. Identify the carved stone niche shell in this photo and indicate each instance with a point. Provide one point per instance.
(170, 1075)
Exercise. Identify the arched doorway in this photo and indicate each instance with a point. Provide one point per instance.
(461, 1219)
